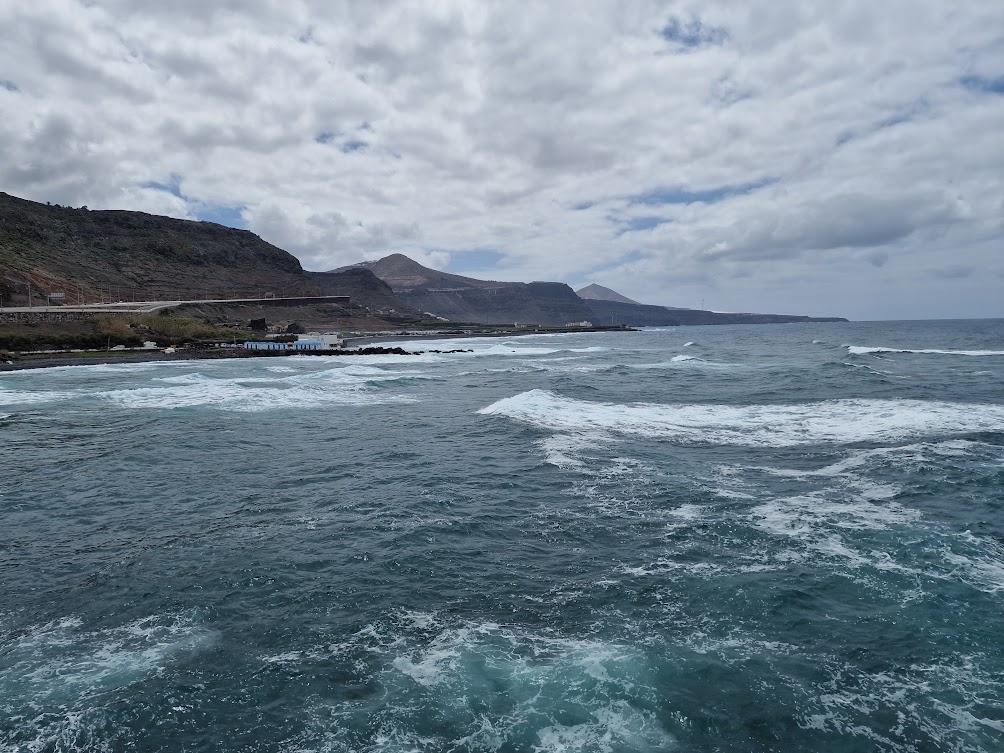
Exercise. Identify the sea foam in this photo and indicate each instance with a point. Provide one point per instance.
(860, 350)
(351, 385)
(828, 421)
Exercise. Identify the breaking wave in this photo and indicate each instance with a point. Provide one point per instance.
(860, 350)
(57, 678)
(828, 421)
(352, 385)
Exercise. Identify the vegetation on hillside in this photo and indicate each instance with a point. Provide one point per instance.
(108, 331)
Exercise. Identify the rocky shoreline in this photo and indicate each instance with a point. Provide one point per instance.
(194, 354)
(84, 358)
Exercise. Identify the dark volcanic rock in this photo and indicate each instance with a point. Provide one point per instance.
(465, 299)
(364, 288)
(550, 303)
(120, 255)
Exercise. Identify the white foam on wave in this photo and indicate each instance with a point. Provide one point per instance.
(58, 659)
(983, 570)
(685, 362)
(818, 513)
(565, 450)
(56, 676)
(687, 344)
(26, 397)
(561, 694)
(910, 455)
(932, 703)
(351, 385)
(860, 350)
(829, 421)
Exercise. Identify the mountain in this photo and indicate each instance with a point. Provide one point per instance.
(465, 299)
(119, 255)
(596, 292)
(363, 287)
(641, 315)
(403, 274)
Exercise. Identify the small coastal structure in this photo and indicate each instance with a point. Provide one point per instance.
(264, 345)
(328, 340)
(303, 344)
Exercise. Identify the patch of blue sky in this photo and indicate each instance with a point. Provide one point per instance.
(354, 145)
(596, 274)
(645, 223)
(462, 262)
(173, 187)
(678, 195)
(222, 215)
(325, 137)
(9, 85)
(692, 33)
(984, 84)
(582, 205)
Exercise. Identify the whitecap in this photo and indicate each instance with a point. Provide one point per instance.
(830, 421)
(24, 397)
(859, 350)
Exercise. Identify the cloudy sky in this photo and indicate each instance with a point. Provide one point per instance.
(799, 157)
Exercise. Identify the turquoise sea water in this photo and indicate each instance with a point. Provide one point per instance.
(774, 538)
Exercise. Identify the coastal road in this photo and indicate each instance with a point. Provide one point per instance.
(147, 307)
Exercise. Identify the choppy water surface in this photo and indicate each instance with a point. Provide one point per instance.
(776, 538)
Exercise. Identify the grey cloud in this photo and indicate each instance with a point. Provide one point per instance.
(527, 129)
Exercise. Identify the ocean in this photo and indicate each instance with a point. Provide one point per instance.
(737, 538)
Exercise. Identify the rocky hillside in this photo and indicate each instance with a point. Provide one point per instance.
(364, 288)
(596, 292)
(403, 274)
(119, 255)
(465, 299)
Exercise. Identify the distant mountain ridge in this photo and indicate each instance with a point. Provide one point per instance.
(403, 273)
(95, 255)
(465, 299)
(596, 292)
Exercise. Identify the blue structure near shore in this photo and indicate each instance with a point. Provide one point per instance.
(265, 345)
(274, 345)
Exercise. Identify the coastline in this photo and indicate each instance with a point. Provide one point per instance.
(99, 359)
(357, 346)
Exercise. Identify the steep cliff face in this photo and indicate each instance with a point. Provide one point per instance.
(364, 288)
(465, 299)
(90, 255)
(506, 303)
